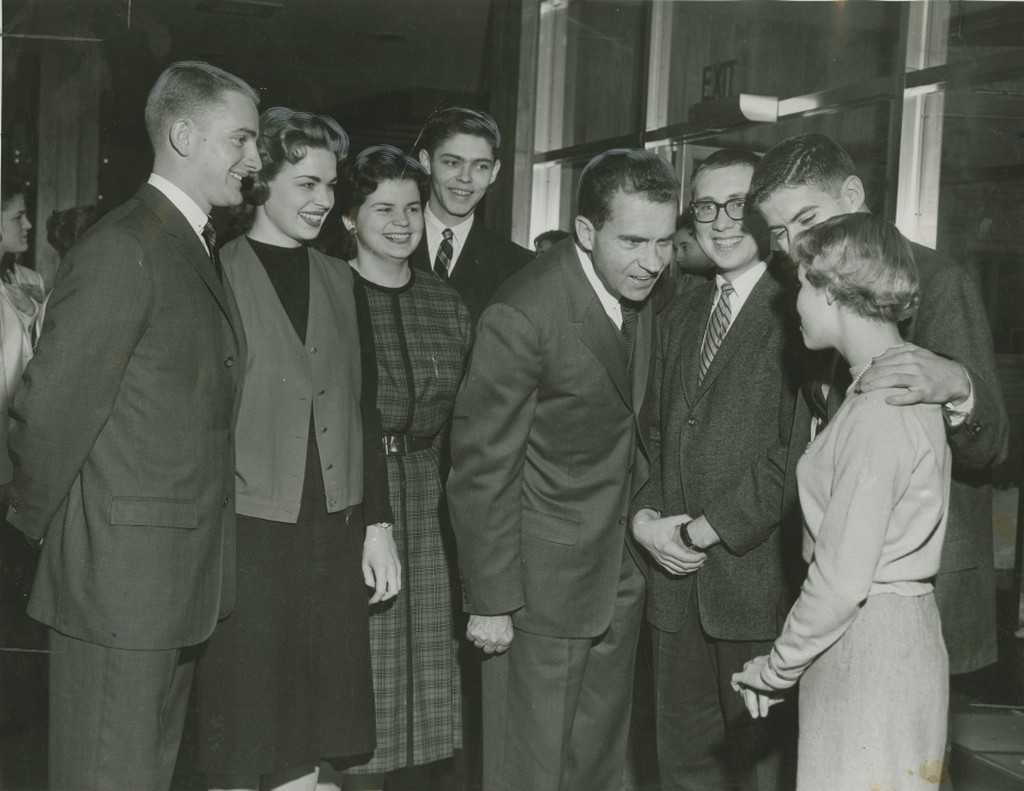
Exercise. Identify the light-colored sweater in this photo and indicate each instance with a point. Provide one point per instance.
(874, 489)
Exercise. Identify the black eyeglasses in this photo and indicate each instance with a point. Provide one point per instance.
(707, 210)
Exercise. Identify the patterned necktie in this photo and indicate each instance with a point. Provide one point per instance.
(444, 254)
(717, 328)
(210, 237)
(629, 317)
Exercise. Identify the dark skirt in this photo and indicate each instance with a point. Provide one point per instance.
(285, 681)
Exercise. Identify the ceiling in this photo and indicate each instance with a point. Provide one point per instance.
(320, 54)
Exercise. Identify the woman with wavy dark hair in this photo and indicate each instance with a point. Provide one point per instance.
(416, 334)
(285, 681)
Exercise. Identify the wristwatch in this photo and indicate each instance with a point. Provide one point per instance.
(684, 536)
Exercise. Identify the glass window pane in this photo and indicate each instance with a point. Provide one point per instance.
(983, 29)
(591, 71)
(981, 199)
(777, 49)
(863, 131)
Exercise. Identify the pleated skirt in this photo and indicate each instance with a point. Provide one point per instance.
(873, 708)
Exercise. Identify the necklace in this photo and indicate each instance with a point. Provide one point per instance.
(857, 375)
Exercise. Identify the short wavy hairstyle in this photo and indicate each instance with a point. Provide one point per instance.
(362, 174)
(287, 135)
(633, 171)
(864, 262)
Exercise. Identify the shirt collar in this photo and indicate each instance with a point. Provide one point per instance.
(744, 283)
(608, 301)
(195, 216)
(436, 227)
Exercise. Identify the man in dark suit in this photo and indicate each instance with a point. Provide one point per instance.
(123, 449)
(723, 386)
(546, 455)
(948, 360)
(460, 150)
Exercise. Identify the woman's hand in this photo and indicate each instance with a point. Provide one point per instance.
(757, 696)
(382, 570)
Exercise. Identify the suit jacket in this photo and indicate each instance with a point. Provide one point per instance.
(706, 437)
(122, 438)
(951, 321)
(485, 262)
(546, 452)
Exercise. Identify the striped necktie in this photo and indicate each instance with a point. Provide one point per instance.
(444, 254)
(718, 326)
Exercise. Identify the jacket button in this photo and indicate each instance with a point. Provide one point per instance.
(322, 392)
(312, 349)
(227, 500)
(323, 430)
(691, 421)
(229, 361)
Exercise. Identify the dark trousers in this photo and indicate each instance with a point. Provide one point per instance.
(556, 710)
(115, 716)
(706, 739)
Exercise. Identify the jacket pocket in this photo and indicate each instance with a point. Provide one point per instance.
(549, 527)
(154, 512)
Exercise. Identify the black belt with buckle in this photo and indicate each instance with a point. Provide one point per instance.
(404, 444)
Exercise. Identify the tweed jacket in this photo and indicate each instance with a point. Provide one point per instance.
(546, 451)
(706, 436)
(122, 439)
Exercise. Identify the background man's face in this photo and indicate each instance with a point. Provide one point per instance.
(461, 170)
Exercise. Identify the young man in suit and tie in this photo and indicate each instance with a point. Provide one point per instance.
(948, 359)
(460, 150)
(546, 455)
(722, 389)
(123, 447)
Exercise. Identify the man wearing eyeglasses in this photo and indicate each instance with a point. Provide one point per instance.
(716, 599)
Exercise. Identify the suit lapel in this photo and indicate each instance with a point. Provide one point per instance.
(749, 324)
(174, 224)
(467, 270)
(690, 334)
(593, 325)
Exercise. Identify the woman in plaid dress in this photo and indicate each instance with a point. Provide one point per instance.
(416, 334)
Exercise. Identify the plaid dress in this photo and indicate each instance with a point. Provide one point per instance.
(421, 334)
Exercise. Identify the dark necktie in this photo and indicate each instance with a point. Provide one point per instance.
(630, 311)
(442, 264)
(210, 237)
(718, 326)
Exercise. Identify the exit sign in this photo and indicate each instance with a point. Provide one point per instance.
(718, 80)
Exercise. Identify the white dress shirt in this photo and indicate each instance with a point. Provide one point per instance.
(608, 301)
(434, 228)
(195, 216)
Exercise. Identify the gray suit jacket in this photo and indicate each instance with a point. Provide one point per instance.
(122, 438)
(704, 437)
(546, 452)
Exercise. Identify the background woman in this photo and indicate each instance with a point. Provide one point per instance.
(285, 680)
(21, 307)
(864, 634)
(416, 333)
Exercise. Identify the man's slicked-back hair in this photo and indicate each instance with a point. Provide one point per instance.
(633, 171)
(287, 135)
(451, 121)
(812, 159)
(727, 157)
(186, 89)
